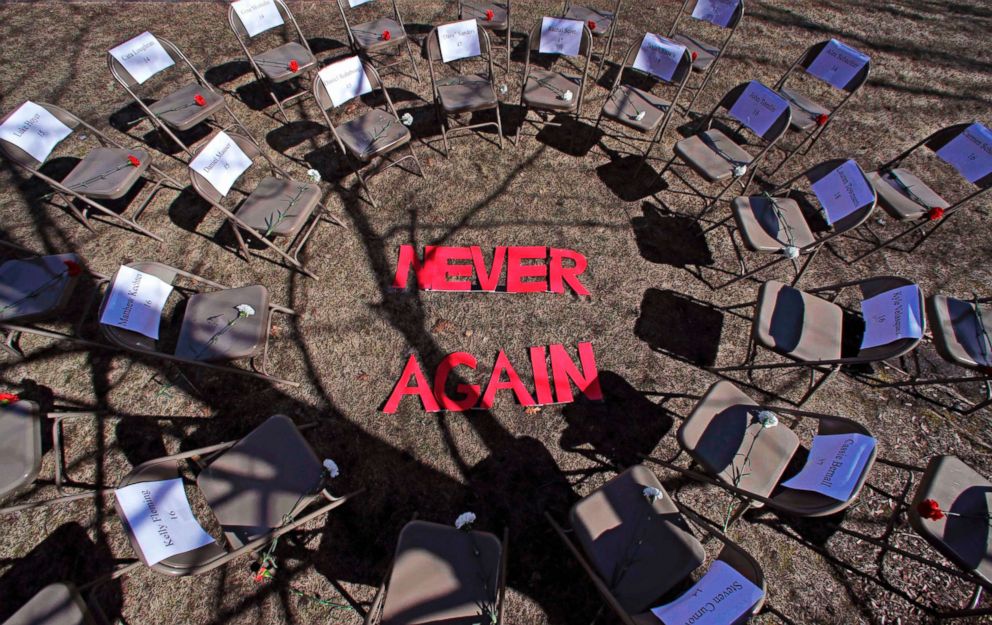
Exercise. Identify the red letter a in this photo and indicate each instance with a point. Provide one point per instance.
(422, 388)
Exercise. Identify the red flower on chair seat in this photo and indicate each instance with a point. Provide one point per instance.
(72, 268)
(8, 398)
(200, 100)
(694, 56)
(131, 158)
(821, 119)
(930, 509)
(294, 66)
(490, 15)
(591, 24)
(936, 213)
(386, 35)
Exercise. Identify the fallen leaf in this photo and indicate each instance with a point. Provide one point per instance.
(442, 325)
(362, 377)
(532, 410)
(469, 333)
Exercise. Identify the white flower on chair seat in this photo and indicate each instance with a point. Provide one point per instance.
(313, 176)
(331, 467)
(640, 115)
(465, 520)
(739, 170)
(406, 119)
(244, 310)
(767, 419)
(567, 96)
(652, 494)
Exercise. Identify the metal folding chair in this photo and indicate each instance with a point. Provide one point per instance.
(461, 93)
(371, 135)
(282, 64)
(552, 92)
(601, 22)
(494, 16)
(704, 55)
(107, 172)
(181, 109)
(55, 604)
(378, 35)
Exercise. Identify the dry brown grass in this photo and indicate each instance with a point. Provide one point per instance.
(931, 68)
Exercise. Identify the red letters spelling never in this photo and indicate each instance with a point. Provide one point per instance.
(435, 270)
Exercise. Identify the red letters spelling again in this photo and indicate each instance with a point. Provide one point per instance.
(435, 270)
(564, 372)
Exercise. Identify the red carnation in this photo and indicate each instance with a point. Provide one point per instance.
(131, 158)
(200, 100)
(8, 398)
(694, 55)
(821, 119)
(72, 268)
(294, 66)
(936, 213)
(490, 15)
(386, 35)
(930, 509)
(591, 24)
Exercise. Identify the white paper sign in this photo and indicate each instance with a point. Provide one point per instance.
(161, 519)
(136, 302)
(758, 107)
(142, 57)
(221, 162)
(459, 40)
(891, 316)
(659, 56)
(357, 3)
(34, 130)
(716, 12)
(560, 36)
(970, 152)
(345, 80)
(720, 597)
(843, 191)
(837, 64)
(834, 465)
(257, 16)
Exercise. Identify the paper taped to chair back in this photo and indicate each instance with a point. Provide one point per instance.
(720, 597)
(142, 57)
(837, 64)
(221, 162)
(717, 12)
(758, 107)
(161, 519)
(970, 152)
(891, 316)
(258, 16)
(560, 36)
(33, 129)
(357, 3)
(659, 57)
(459, 40)
(834, 465)
(843, 191)
(345, 80)
(136, 302)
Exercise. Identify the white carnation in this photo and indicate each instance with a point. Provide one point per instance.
(331, 467)
(465, 520)
(739, 170)
(244, 310)
(567, 96)
(653, 494)
(313, 176)
(790, 251)
(767, 419)
(407, 119)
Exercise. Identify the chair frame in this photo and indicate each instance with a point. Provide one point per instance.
(923, 226)
(773, 134)
(811, 137)
(291, 252)
(614, 24)
(321, 97)
(125, 80)
(442, 116)
(628, 64)
(735, 21)
(357, 49)
(158, 178)
(259, 373)
(810, 251)
(535, 36)
(238, 28)
(826, 368)
(509, 26)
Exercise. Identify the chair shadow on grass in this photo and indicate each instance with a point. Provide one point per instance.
(571, 137)
(670, 239)
(680, 327)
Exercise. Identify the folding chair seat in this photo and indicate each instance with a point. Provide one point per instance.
(465, 91)
(245, 340)
(915, 206)
(370, 37)
(373, 134)
(441, 574)
(277, 207)
(546, 89)
(108, 172)
(776, 223)
(493, 16)
(601, 23)
(834, 64)
(640, 552)
(720, 157)
(813, 331)
(710, 16)
(258, 488)
(38, 288)
(180, 108)
(55, 604)
(283, 63)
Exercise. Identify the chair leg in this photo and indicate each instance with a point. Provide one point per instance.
(10, 347)
(416, 160)
(241, 240)
(499, 125)
(413, 61)
(272, 94)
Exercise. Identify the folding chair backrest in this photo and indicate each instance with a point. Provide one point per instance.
(324, 99)
(874, 286)
(202, 186)
(860, 214)
(128, 339)
(534, 41)
(781, 123)
(806, 60)
(689, 6)
(682, 72)
(979, 156)
(369, 7)
(289, 26)
(615, 9)
(18, 155)
(433, 45)
(120, 73)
